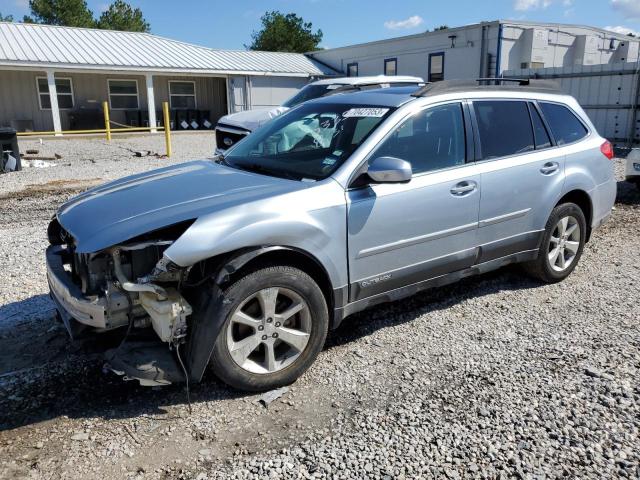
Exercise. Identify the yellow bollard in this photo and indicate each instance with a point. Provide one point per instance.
(107, 122)
(167, 127)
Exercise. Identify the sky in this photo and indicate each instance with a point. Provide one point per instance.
(228, 24)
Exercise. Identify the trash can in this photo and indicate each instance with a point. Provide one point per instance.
(181, 119)
(193, 118)
(132, 118)
(205, 119)
(86, 119)
(10, 160)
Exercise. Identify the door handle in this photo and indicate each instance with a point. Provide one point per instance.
(549, 168)
(463, 188)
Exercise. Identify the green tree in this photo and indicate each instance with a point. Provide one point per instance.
(441, 27)
(6, 18)
(285, 33)
(72, 13)
(120, 16)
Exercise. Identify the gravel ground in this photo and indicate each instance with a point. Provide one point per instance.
(494, 377)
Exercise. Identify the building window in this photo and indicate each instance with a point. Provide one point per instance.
(64, 87)
(436, 67)
(123, 94)
(391, 66)
(182, 95)
(352, 70)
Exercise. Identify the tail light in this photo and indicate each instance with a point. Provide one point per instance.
(607, 149)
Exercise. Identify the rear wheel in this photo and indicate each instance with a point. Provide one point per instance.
(276, 322)
(562, 244)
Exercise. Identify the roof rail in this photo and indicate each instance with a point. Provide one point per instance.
(499, 83)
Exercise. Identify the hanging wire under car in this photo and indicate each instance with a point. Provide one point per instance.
(186, 375)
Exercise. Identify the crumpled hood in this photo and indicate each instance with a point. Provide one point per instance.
(118, 211)
(252, 119)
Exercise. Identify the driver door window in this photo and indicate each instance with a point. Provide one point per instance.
(432, 139)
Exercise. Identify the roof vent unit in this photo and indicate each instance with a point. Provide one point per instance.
(535, 45)
(586, 50)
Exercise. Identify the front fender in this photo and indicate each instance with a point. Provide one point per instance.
(312, 220)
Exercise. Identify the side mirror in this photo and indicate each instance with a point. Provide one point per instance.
(389, 170)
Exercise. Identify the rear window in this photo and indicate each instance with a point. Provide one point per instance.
(504, 127)
(565, 126)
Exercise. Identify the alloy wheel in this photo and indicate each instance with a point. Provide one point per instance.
(564, 243)
(269, 330)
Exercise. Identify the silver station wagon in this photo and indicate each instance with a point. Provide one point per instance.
(243, 263)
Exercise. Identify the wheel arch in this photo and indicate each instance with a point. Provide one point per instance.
(242, 261)
(583, 200)
(226, 268)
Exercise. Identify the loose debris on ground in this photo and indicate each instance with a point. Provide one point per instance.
(494, 377)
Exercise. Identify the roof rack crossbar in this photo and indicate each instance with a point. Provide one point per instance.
(520, 81)
(483, 83)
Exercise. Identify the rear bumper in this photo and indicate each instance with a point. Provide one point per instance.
(101, 312)
(632, 168)
(604, 197)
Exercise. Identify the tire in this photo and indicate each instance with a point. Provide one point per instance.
(545, 267)
(255, 310)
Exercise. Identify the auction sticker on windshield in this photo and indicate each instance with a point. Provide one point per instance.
(365, 112)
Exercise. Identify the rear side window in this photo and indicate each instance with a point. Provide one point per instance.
(504, 127)
(565, 126)
(539, 131)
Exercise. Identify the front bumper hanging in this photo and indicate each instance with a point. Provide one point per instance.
(72, 305)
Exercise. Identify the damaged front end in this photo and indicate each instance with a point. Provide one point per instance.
(132, 285)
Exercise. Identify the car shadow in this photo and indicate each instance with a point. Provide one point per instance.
(65, 378)
(365, 323)
(628, 193)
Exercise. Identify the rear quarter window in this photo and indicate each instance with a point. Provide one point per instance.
(565, 126)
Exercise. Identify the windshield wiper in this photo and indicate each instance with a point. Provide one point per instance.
(219, 159)
(257, 168)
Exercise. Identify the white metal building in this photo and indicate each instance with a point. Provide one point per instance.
(597, 66)
(56, 78)
(484, 49)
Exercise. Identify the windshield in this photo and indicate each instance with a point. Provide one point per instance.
(309, 142)
(309, 93)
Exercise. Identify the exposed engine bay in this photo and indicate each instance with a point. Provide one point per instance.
(131, 285)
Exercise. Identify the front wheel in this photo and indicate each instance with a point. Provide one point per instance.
(275, 325)
(562, 244)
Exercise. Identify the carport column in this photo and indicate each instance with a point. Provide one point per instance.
(151, 103)
(53, 97)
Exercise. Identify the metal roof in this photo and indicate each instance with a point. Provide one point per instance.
(46, 46)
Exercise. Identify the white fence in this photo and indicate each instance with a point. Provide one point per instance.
(610, 94)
